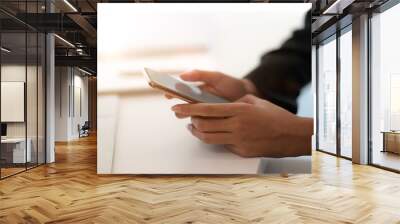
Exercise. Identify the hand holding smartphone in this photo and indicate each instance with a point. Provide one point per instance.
(175, 87)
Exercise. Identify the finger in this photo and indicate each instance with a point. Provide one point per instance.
(248, 98)
(181, 116)
(209, 89)
(211, 138)
(203, 76)
(212, 124)
(208, 109)
(168, 96)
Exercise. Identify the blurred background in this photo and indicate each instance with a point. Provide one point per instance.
(173, 37)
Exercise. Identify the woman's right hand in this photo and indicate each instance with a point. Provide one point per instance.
(219, 84)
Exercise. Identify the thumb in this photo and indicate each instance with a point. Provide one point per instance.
(207, 77)
(248, 98)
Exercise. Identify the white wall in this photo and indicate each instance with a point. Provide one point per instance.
(17, 73)
(68, 83)
(61, 103)
(80, 84)
(11, 73)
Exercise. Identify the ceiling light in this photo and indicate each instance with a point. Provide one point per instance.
(5, 50)
(337, 7)
(84, 71)
(65, 41)
(79, 51)
(70, 5)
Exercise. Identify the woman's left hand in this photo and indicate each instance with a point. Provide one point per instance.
(250, 127)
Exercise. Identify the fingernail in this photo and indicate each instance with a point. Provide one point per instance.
(175, 108)
(189, 127)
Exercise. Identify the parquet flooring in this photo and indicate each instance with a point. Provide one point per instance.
(10, 171)
(70, 191)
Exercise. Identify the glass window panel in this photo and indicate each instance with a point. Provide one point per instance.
(14, 153)
(385, 95)
(327, 96)
(346, 94)
(22, 63)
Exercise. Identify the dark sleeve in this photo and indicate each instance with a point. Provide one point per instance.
(282, 73)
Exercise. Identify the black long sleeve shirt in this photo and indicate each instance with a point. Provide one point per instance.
(282, 73)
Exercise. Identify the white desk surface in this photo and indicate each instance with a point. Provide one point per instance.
(139, 134)
(13, 140)
(20, 153)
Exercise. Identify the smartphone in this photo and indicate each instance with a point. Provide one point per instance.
(184, 91)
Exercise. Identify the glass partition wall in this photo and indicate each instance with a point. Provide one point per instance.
(22, 77)
(13, 110)
(385, 89)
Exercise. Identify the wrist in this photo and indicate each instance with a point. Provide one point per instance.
(299, 133)
(302, 126)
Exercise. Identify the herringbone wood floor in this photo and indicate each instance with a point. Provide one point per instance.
(69, 191)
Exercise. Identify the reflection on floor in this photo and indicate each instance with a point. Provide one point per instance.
(11, 169)
(387, 159)
(70, 191)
